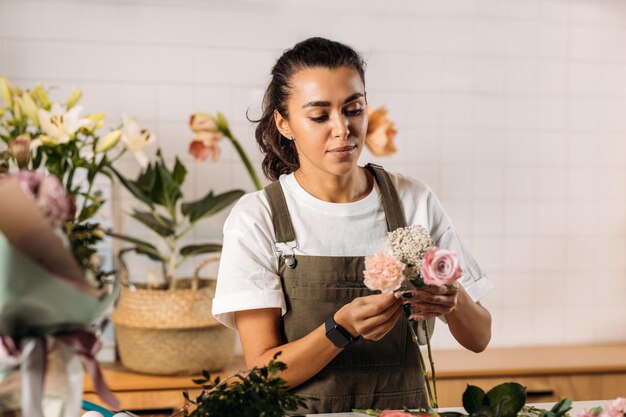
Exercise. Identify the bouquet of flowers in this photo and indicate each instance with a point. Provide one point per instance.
(52, 281)
(412, 256)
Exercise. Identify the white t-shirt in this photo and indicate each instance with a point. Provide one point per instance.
(248, 272)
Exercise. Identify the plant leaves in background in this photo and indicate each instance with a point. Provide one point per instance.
(160, 224)
(473, 398)
(166, 191)
(145, 180)
(192, 250)
(507, 399)
(133, 188)
(210, 204)
(140, 246)
(179, 172)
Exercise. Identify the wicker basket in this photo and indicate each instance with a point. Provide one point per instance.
(171, 331)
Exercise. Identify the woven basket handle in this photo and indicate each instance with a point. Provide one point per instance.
(124, 267)
(196, 274)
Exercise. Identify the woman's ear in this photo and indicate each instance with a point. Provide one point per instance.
(282, 125)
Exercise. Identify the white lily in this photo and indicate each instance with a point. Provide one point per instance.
(135, 139)
(60, 126)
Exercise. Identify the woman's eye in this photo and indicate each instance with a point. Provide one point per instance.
(354, 112)
(319, 119)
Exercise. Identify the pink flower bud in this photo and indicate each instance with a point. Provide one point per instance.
(20, 149)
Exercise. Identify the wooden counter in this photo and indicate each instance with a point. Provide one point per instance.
(586, 372)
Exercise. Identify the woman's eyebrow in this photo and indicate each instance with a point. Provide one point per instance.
(320, 103)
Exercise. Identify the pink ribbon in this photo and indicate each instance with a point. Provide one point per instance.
(83, 343)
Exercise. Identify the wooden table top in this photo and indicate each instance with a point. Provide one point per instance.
(450, 363)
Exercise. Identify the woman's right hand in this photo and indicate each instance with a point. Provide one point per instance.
(370, 317)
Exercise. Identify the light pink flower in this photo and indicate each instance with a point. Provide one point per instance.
(205, 145)
(616, 409)
(396, 413)
(383, 272)
(440, 267)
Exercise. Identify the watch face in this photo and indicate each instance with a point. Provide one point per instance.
(336, 334)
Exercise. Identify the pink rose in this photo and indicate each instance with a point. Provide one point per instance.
(383, 272)
(49, 194)
(54, 201)
(440, 267)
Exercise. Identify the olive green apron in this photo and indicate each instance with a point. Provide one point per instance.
(367, 374)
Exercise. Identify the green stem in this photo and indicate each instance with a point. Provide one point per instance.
(435, 402)
(422, 365)
(245, 160)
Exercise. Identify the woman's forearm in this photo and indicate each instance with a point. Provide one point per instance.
(470, 323)
(304, 357)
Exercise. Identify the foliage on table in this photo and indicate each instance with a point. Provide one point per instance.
(261, 392)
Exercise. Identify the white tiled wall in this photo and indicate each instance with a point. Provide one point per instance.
(514, 111)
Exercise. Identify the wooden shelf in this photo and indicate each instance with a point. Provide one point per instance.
(531, 361)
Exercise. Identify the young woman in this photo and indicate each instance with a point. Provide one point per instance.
(291, 274)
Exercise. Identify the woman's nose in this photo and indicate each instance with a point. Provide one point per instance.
(341, 127)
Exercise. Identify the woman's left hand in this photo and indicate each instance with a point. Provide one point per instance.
(430, 302)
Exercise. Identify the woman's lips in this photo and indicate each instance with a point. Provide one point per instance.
(344, 150)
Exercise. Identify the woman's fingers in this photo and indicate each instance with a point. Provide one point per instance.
(379, 331)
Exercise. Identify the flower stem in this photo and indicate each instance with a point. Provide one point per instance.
(245, 160)
(433, 403)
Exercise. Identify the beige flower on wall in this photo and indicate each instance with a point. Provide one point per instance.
(380, 132)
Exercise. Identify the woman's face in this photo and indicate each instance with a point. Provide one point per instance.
(327, 117)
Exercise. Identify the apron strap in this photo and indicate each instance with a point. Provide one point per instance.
(283, 228)
(394, 214)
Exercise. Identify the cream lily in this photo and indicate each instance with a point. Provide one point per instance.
(41, 96)
(6, 92)
(73, 97)
(61, 126)
(135, 139)
(109, 141)
(30, 108)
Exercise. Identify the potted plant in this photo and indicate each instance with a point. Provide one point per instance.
(168, 328)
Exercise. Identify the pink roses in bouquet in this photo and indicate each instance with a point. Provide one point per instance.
(49, 194)
(412, 255)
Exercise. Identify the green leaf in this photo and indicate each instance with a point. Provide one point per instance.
(158, 223)
(140, 246)
(210, 204)
(166, 191)
(473, 398)
(192, 250)
(146, 178)
(133, 188)
(507, 399)
(179, 172)
(562, 407)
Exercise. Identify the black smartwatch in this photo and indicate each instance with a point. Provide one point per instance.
(337, 334)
